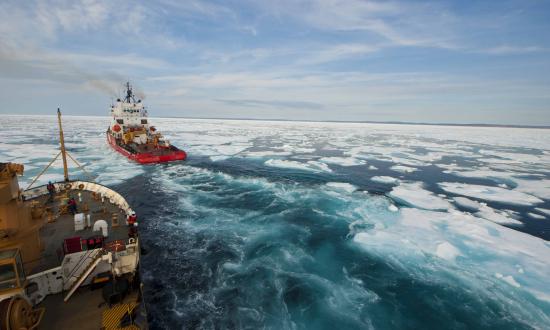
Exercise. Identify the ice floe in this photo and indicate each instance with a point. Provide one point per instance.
(480, 248)
(536, 216)
(482, 173)
(447, 251)
(403, 169)
(344, 186)
(488, 193)
(539, 188)
(467, 203)
(541, 210)
(481, 210)
(393, 208)
(343, 161)
(508, 279)
(413, 194)
(297, 149)
(385, 179)
(496, 216)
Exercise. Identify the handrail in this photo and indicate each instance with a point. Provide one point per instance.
(122, 202)
(88, 255)
(84, 275)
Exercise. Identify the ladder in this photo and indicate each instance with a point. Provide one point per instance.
(87, 271)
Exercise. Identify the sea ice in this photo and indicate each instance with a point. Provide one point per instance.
(467, 203)
(481, 210)
(342, 186)
(536, 216)
(483, 173)
(494, 194)
(485, 248)
(541, 210)
(413, 194)
(385, 179)
(508, 279)
(513, 157)
(403, 168)
(539, 188)
(393, 208)
(447, 251)
(295, 149)
(496, 216)
(343, 161)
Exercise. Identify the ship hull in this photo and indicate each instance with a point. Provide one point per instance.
(174, 154)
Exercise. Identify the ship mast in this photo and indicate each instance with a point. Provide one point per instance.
(63, 152)
(129, 94)
(64, 155)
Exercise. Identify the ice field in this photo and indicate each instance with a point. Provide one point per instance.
(299, 225)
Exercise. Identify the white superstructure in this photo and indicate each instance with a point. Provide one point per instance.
(130, 123)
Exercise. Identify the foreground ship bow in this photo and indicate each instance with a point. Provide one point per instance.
(69, 254)
(131, 134)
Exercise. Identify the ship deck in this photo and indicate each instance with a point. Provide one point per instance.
(86, 310)
(87, 307)
(148, 149)
(61, 225)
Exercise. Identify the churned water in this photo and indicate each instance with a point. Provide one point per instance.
(285, 225)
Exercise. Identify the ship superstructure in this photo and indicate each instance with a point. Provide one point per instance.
(131, 134)
(65, 266)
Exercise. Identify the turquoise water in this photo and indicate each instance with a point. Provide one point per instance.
(230, 251)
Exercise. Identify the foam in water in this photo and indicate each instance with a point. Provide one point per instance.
(311, 165)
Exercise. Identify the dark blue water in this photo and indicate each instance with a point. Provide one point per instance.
(238, 245)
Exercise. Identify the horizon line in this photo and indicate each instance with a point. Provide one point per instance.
(325, 121)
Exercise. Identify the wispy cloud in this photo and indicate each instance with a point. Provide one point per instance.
(282, 58)
(401, 23)
(510, 50)
(271, 103)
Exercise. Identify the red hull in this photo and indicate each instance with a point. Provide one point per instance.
(147, 158)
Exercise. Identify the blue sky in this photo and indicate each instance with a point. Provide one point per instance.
(421, 61)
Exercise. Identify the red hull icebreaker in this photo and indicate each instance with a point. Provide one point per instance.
(168, 155)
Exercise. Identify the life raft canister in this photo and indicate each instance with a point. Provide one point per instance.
(116, 128)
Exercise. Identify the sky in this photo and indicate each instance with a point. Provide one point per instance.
(353, 60)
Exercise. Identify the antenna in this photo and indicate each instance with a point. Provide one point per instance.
(129, 94)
